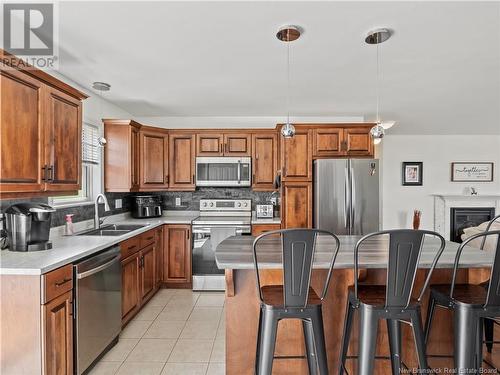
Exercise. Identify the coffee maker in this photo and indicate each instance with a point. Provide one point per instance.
(28, 226)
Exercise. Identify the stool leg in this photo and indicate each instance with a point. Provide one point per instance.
(346, 336)
(430, 315)
(418, 333)
(268, 342)
(368, 328)
(319, 340)
(310, 351)
(479, 343)
(394, 332)
(259, 338)
(488, 333)
(465, 333)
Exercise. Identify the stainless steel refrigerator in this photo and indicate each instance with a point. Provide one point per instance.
(346, 196)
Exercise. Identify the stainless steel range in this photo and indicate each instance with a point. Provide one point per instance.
(218, 220)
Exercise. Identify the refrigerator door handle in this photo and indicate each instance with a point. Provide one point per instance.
(347, 206)
(353, 201)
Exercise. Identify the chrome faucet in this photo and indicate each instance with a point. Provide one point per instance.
(97, 220)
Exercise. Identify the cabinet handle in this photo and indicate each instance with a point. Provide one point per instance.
(44, 173)
(64, 281)
(225, 147)
(192, 180)
(131, 247)
(187, 234)
(166, 179)
(149, 238)
(50, 172)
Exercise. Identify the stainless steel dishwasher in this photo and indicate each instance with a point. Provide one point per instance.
(97, 306)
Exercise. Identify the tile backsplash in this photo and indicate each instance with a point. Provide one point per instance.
(190, 201)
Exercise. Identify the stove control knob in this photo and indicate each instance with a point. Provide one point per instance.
(211, 204)
(239, 204)
(246, 204)
(204, 204)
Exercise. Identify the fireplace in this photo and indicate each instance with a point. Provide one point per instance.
(466, 217)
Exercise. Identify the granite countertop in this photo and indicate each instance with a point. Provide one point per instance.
(274, 220)
(69, 249)
(236, 253)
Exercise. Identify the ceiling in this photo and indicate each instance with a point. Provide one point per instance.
(440, 70)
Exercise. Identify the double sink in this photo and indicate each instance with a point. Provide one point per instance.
(112, 230)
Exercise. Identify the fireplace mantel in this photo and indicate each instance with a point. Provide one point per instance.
(444, 202)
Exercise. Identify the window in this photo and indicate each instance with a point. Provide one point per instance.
(91, 170)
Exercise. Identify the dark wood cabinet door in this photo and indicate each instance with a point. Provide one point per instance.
(130, 286)
(134, 159)
(209, 144)
(148, 265)
(58, 335)
(63, 139)
(237, 144)
(296, 157)
(265, 161)
(153, 160)
(297, 205)
(177, 261)
(21, 133)
(358, 141)
(328, 142)
(181, 159)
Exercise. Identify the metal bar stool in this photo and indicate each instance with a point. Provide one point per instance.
(489, 324)
(392, 302)
(471, 304)
(294, 299)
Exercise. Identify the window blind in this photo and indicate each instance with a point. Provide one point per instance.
(90, 146)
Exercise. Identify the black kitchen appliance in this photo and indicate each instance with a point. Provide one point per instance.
(144, 206)
(28, 226)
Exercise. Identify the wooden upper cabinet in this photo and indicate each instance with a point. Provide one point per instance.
(63, 141)
(296, 156)
(181, 159)
(58, 335)
(122, 155)
(21, 127)
(358, 141)
(327, 142)
(153, 160)
(209, 144)
(264, 160)
(297, 205)
(41, 131)
(177, 255)
(237, 144)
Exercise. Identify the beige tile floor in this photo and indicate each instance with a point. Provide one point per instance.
(178, 332)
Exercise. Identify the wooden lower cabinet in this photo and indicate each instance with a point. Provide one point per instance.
(58, 335)
(177, 256)
(159, 257)
(297, 205)
(148, 277)
(258, 229)
(130, 286)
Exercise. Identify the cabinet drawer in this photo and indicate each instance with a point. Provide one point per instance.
(57, 282)
(130, 246)
(147, 238)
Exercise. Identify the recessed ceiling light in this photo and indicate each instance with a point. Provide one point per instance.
(101, 86)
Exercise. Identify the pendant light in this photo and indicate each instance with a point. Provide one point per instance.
(288, 34)
(101, 87)
(378, 131)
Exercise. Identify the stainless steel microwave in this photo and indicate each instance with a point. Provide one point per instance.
(223, 171)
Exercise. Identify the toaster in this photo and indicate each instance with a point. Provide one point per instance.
(264, 211)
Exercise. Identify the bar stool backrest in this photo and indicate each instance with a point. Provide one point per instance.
(488, 229)
(493, 295)
(298, 248)
(405, 248)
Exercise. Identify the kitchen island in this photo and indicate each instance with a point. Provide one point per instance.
(242, 305)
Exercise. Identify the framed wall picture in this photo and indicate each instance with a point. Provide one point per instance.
(472, 172)
(413, 172)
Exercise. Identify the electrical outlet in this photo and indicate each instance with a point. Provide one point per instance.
(178, 201)
(118, 203)
(274, 200)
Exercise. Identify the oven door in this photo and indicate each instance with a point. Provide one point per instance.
(206, 274)
(223, 171)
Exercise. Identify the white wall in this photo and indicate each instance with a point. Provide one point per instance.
(436, 152)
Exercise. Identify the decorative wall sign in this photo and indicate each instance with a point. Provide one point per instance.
(471, 172)
(413, 173)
